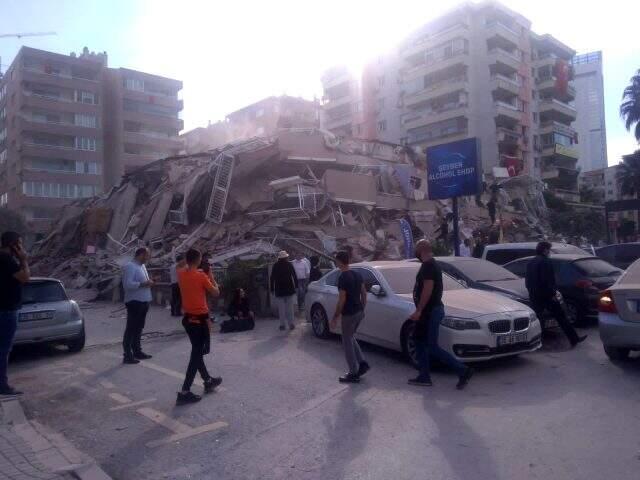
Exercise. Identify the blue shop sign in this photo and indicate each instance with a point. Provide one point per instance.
(453, 169)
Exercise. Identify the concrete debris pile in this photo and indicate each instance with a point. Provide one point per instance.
(302, 190)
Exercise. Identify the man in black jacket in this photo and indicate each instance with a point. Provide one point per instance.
(541, 284)
(283, 285)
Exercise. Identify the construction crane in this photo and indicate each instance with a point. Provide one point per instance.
(20, 35)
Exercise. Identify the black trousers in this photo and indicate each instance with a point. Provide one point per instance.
(136, 317)
(176, 300)
(199, 336)
(238, 324)
(553, 306)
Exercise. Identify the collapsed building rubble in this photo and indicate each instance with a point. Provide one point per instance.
(301, 190)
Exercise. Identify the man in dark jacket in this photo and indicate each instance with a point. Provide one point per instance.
(541, 284)
(283, 285)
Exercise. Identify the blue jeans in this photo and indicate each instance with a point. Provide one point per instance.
(427, 347)
(8, 326)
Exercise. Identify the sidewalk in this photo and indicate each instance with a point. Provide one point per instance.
(29, 450)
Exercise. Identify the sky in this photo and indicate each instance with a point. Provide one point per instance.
(232, 53)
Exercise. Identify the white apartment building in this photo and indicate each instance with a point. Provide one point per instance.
(478, 71)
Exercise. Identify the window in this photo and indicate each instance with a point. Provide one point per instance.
(259, 112)
(4, 199)
(505, 255)
(43, 291)
(84, 120)
(380, 104)
(381, 81)
(134, 84)
(85, 97)
(85, 143)
(3, 156)
(368, 278)
(519, 267)
(535, 117)
(382, 125)
(332, 278)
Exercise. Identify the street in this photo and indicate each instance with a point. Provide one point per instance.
(280, 412)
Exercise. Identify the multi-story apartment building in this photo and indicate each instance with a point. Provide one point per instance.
(260, 119)
(51, 132)
(478, 71)
(142, 120)
(590, 123)
(70, 127)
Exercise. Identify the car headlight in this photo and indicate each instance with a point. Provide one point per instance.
(533, 317)
(460, 323)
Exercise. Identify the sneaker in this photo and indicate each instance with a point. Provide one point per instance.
(420, 381)
(349, 378)
(9, 391)
(464, 378)
(185, 398)
(211, 383)
(130, 361)
(579, 340)
(364, 368)
(291, 327)
(281, 328)
(142, 356)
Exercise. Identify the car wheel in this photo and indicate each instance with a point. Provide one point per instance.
(574, 313)
(319, 322)
(616, 354)
(76, 344)
(407, 340)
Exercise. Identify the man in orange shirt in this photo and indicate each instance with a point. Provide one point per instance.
(194, 286)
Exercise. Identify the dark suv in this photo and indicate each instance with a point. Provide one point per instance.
(620, 254)
(579, 279)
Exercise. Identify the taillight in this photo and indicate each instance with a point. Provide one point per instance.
(606, 303)
(584, 283)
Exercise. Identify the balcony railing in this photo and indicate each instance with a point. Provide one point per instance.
(501, 51)
(58, 75)
(504, 78)
(408, 72)
(461, 79)
(428, 114)
(499, 24)
(423, 41)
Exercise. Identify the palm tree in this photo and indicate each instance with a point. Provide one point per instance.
(630, 107)
(629, 173)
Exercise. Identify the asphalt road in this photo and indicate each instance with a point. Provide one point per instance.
(555, 414)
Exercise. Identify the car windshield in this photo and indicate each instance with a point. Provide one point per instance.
(595, 267)
(42, 292)
(483, 271)
(403, 279)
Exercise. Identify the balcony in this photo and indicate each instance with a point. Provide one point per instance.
(552, 127)
(500, 33)
(57, 128)
(508, 137)
(505, 62)
(439, 89)
(153, 120)
(504, 86)
(507, 113)
(458, 57)
(43, 102)
(561, 153)
(65, 81)
(426, 140)
(421, 118)
(338, 122)
(557, 111)
(332, 103)
(152, 140)
(69, 153)
(549, 86)
(155, 98)
(427, 42)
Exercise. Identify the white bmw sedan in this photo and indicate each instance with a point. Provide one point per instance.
(478, 325)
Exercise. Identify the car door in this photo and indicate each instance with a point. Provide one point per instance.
(376, 326)
(330, 296)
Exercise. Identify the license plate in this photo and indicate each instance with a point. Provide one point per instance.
(35, 316)
(511, 339)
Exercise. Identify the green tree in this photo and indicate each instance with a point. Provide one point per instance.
(626, 229)
(628, 176)
(630, 107)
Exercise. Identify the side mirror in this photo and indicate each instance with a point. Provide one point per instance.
(377, 291)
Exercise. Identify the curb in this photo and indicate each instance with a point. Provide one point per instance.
(52, 449)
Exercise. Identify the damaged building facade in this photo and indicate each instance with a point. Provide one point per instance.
(303, 190)
(478, 71)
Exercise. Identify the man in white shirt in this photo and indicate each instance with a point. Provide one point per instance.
(137, 297)
(465, 248)
(302, 266)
